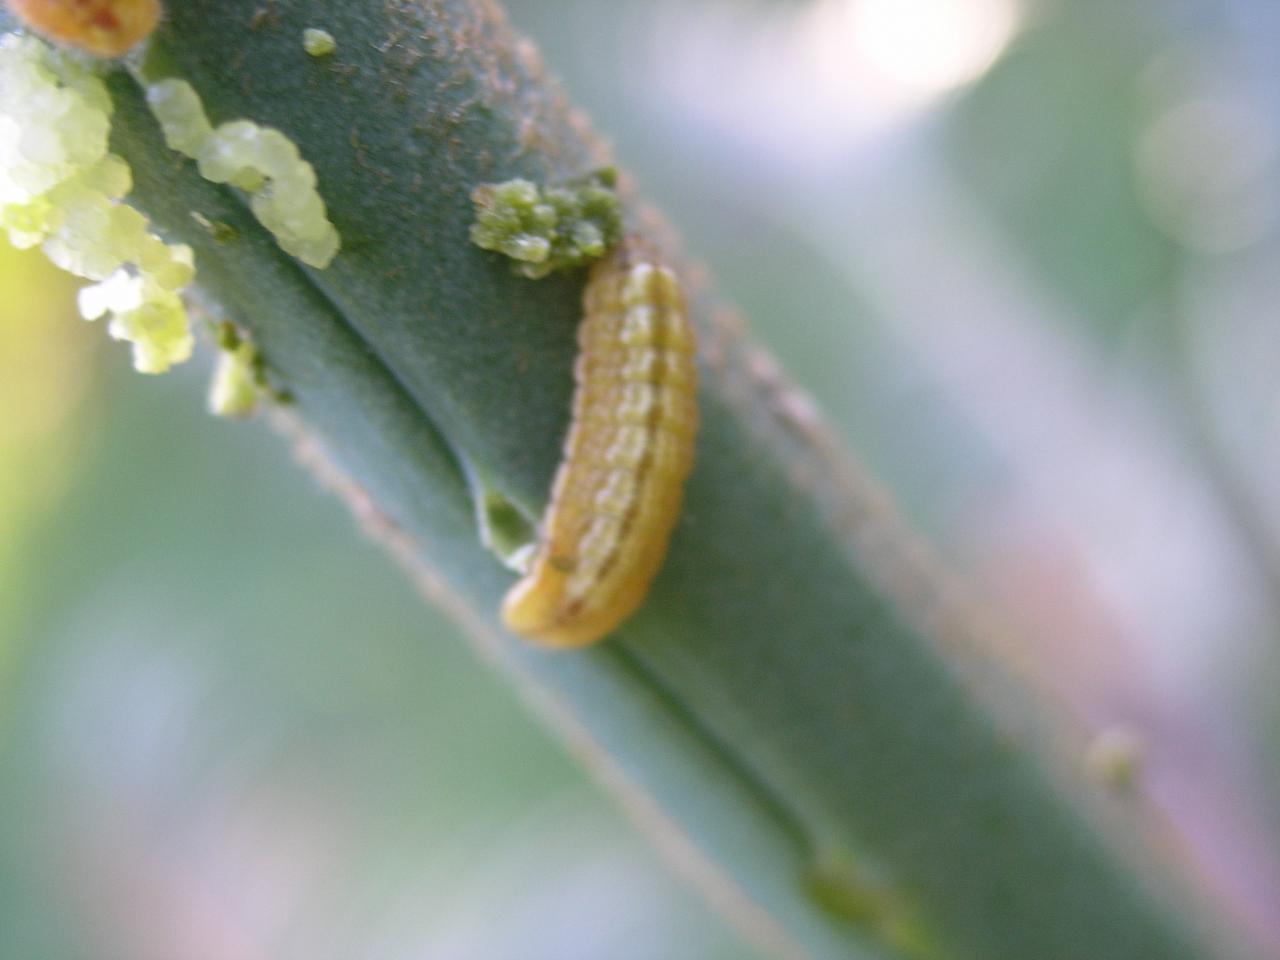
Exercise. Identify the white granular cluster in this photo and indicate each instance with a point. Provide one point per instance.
(259, 160)
(59, 187)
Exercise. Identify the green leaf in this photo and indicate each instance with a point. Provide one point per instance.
(800, 712)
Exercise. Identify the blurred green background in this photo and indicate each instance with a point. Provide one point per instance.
(1023, 252)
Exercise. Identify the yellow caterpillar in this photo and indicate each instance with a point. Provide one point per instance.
(618, 490)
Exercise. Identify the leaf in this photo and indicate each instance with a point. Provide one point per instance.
(800, 712)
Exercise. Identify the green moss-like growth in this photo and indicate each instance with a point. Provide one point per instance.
(546, 229)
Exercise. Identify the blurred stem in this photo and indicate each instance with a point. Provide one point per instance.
(1203, 437)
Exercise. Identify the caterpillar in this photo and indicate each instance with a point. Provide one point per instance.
(618, 490)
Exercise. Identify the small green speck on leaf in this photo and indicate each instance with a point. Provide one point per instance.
(238, 378)
(547, 229)
(1115, 757)
(317, 42)
(850, 890)
(221, 231)
(504, 530)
